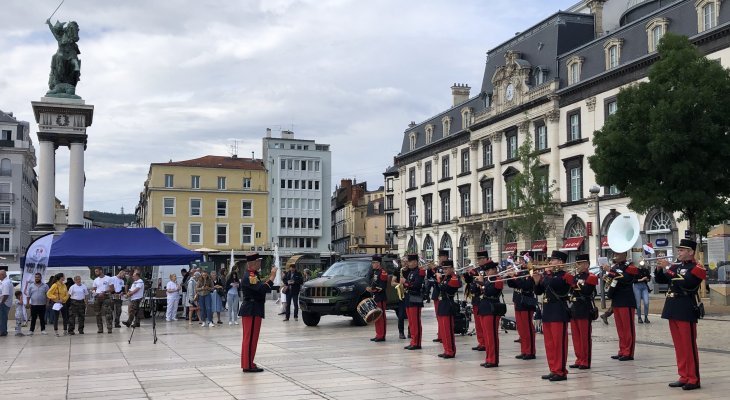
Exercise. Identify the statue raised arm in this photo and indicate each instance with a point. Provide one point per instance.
(65, 64)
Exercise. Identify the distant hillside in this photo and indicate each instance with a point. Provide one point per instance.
(107, 218)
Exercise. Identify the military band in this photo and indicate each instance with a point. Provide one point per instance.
(621, 293)
(582, 311)
(448, 284)
(378, 285)
(525, 304)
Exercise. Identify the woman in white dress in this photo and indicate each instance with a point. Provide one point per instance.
(173, 297)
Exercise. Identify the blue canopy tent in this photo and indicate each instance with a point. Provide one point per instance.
(117, 246)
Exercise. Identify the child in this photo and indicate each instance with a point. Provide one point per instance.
(19, 313)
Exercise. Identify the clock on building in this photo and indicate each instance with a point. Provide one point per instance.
(510, 92)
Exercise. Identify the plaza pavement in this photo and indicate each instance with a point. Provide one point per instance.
(337, 361)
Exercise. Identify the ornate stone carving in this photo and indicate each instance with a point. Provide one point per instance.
(591, 103)
(553, 115)
(524, 126)
(474, 145)
(454, 152)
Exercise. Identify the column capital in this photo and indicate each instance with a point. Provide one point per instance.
(591, 103)
(553, 115)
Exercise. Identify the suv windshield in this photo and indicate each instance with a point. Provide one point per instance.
(349, 268)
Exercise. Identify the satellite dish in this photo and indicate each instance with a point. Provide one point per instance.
(623, 233)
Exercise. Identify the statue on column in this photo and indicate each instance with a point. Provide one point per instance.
(65, 64)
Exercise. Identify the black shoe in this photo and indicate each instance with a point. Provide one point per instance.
(483, 364)
(517, 340)
(257, 369)
(281, 313)
(372, 339)
(616, 357)
(442, 355)
(81, 332)
(99, 331)
(490, 365)
(557, 378)
(127, 324)
(110, 332)
(408, 347)
(71, 333)
(448, 356)
(646, 320)
(604, 317)
(677, 384)
(378, 340)
(520, 356)
(640, 320)
(478, 348)
(415, 348)
(691, 386)
(119, 326)
(548, 376)
(437, 340)
(401, 336)
(584, 367)
(285, 319)
(626, 358)
(529, 357)
(573, 366)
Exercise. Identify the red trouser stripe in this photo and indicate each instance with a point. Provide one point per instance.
(684, 337)
(526, 331)
(251, 328)
(436, 311)
(490, 329)
(556, 346)
(624, 317)
(446, 327)
(414, 325)
(380, 323)
(581, 333)
(478, 325)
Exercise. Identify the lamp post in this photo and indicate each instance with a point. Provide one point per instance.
(414, 217)
(595, 190)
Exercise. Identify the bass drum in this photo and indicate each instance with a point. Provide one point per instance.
(368, 310)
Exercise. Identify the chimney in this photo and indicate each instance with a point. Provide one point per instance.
(345, 183)
(412, 124)
(460, 92)
(287, 135)
(596, 7)
(268, 132)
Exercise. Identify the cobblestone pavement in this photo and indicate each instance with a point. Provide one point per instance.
(337, 361)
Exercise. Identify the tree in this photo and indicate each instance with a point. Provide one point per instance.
(666, 144)
(530, 196)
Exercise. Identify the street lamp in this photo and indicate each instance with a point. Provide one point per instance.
(595, 190)
(414, 217)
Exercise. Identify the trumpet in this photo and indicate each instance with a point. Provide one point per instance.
(493, 278)
(520, 274)
(643, 261)
(464, 269)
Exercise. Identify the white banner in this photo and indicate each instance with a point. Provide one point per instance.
(36, 261)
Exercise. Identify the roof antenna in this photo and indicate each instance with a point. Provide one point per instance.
(252, 155)
(234, 149)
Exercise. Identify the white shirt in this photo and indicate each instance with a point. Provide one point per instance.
(78, 292)
(6, 289)
(101, 285)
(172, 286)
(118, 283)
(138, 284)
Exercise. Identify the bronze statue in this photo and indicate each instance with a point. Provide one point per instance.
(65, 64)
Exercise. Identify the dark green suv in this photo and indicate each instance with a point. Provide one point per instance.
(340, 289)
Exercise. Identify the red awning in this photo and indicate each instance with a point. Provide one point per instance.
(572, 243)
(539, 245)
(604, 242)
(510, 247)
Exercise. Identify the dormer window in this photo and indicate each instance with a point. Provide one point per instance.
(612, 50)
(465, 117)
(655, 30)
(574, 64)
(412, 138)
(708, 12)
(540, 74)
(446, 125)
(429, 133)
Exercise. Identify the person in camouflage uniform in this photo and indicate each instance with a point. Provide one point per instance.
(102, 301)
(77, 305)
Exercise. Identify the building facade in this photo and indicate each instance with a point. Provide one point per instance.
(448, 186)
(213, 202)
(18, 189)
(299, 205)
(356, 219)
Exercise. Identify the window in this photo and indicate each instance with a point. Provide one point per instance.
(246, 183)
(511, 144)
(304, 165)
(283, 183)
(445, 206)
(465, 117)
(6, 169)
(389, 185)
(169, 180)
(445, 167)
(427, 175)
(221, 234)
(487, 195)
(296, 184)
(465, 201)
(540, 75)
(316, 165)
(221, 183)
(289, 164)
(316, 223)
(427, 209)
(661, 221)
(246, 234)
(655, 30)
(429, 133)
(411, 177)
(574, 177)
(574, 125)
(6, 135)
(221, 207)
(611, 107)
(195, 207)
(283, 164)
(289, 184)
(389, 202)
(316, 185)
(574, 64)
(707, 14)
(511, 189)
(486, 153)
(168, 206)
(612, 52)
(169, 230)
(465, 167)
(196, 234)
(411, 203)
(389, 220)
(195, 182)
(446, 126)
(412, 141)
(541, 136)
(612, 190)
(4, 215)
(247, 208)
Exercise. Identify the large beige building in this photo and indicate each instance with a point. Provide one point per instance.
(212, 201)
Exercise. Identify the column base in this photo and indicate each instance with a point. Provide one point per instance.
(44, 228)
(74, 226)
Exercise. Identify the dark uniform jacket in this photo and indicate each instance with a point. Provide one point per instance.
(581, 295)
(524, 287)
(431, 275)
(253, 295)
(621, 291)
(474, 288)
(295, 276)
(415, 279)
(491, 292)
(379, 283)
(684, 280)
(448, 287)
(556, 289)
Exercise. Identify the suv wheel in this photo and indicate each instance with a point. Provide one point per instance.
(310, 318)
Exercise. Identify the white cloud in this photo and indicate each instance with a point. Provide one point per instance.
(179, 79)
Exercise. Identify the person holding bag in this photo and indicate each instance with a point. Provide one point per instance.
(583, 312)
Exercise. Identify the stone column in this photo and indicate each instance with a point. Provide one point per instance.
(46, 185)
(553, 120)
(76, 186)
(498, 179)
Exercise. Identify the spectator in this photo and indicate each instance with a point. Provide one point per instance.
(37, 294)
(641, 293)
(50, 315)
(193, 297)
(6, 301)
(78, 294)
(203, 288)
(135, 293)
(58, 296)
(293, 280)
(173, 296)
(184, 285)
(233, 299)
(19, 315)
(216, 296)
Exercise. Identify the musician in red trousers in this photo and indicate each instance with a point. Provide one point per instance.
(254, 292)
(682, 310)
(431, 278)
(581, 311)
(491, 309)
(378, 285)
(448, 283)
(482, 261)
(415, 278)
(555, 285)
(623, 303)
(525, 304)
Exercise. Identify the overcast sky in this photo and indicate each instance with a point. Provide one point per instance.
(179, 79)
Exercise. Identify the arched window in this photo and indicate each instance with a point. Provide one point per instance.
(575, 228)
(428, 248)
(660, 221)
(412, 141)
(485, 242)
(446, 242)
(463, 251)
(5, 168)
(412, 246)
(660, 229)
(429, 133)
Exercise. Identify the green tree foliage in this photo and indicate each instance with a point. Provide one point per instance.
(667, 145)
(111, 218)
(531, 196)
